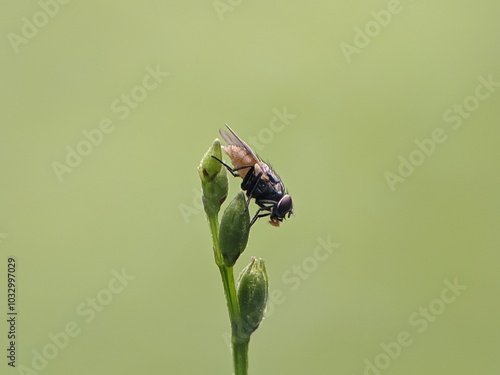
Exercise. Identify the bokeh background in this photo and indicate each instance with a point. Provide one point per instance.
(130, 205)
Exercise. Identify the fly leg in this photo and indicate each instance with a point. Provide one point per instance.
(264, 205)
(230, 169)
(258, 215)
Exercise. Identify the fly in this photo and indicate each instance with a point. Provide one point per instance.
(260, 181)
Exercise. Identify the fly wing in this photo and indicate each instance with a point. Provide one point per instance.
(233, 140)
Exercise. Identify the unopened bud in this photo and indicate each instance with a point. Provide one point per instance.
(252, 292)
(209, 167)
(234, 230)
(213, 180)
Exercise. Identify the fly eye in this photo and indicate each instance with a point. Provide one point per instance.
(284, 205)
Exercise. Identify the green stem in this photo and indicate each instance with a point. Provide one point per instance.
(233, 306)
(239, 341)
(214, 229)
(240, 356)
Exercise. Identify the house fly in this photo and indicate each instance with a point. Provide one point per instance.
(260, 181)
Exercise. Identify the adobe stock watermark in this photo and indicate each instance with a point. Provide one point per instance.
(223, 6)
(196, 207)
(121, 107)
(419, 321)
(454, 117)
(295, 276)
(280, 119)
(363, 36)
(86, 312)
(30, 26)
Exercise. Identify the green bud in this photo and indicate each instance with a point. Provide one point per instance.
(214, 193)
(252, 292)
(234, 230)
(209, 167)
(213, 180)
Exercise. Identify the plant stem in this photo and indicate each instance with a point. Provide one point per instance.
(239, 341)
(240, 356)
(233, 306)
(214, 229)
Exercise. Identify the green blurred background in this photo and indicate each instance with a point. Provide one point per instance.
(131, 204)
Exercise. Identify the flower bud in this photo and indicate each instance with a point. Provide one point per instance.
(234, 230)
(252, 292)
(209, 167)
(213, 180)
